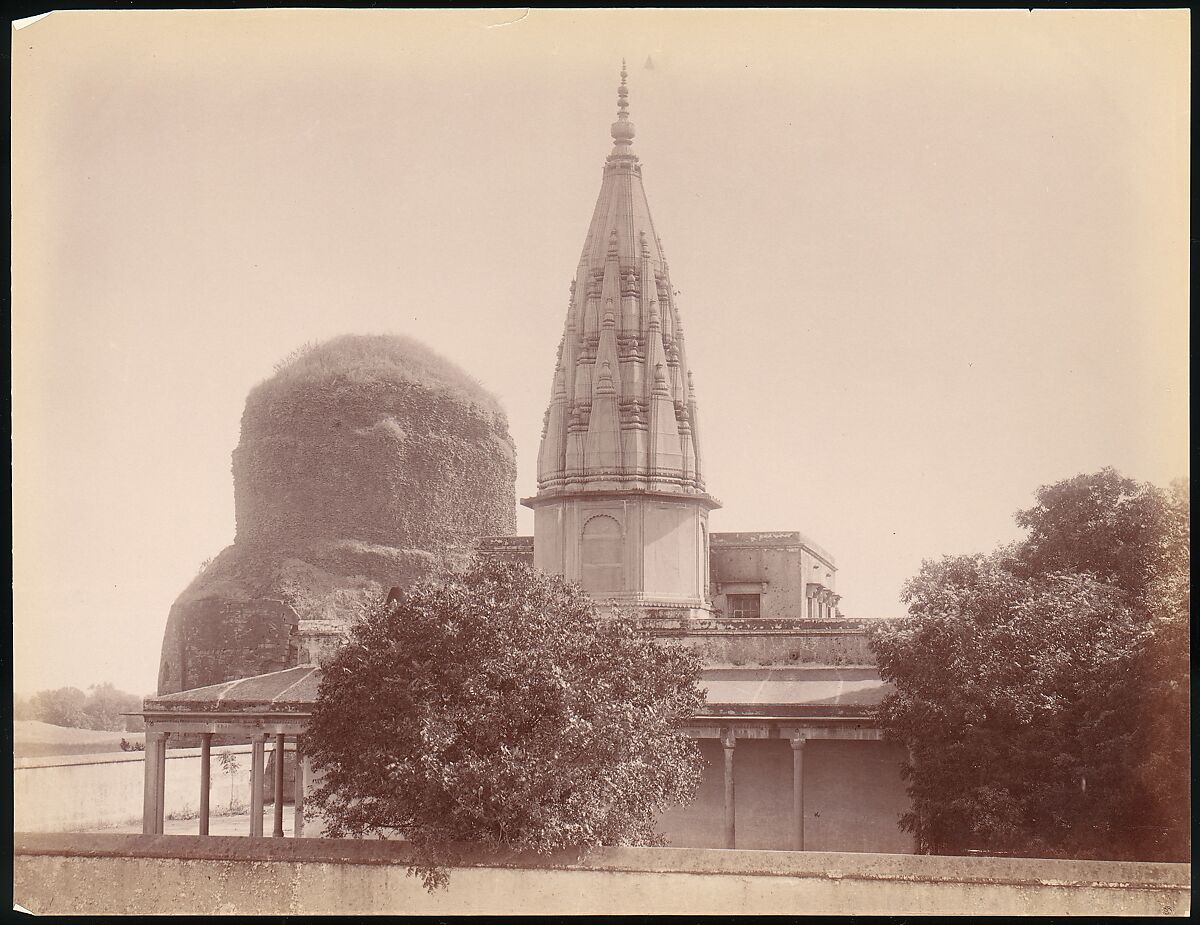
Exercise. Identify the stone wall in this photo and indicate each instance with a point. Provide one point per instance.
(853, 798)
(782, 644)
(235, 639)
(506, 548)
(115, 875)
(75, 793)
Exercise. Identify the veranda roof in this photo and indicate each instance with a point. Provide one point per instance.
(798, 690)
(808, 690)
(292, 690)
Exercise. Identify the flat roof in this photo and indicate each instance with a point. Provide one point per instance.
(767, 538)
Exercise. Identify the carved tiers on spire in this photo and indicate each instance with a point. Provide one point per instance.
(621, 505)
(623, 415)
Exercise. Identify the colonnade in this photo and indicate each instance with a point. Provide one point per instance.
(156, 755)
(728, 746)
(154, 796)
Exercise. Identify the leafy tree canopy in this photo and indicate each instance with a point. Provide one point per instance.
(1100, 522)
(1043, 689)
(100, 708)
(104, 707)
(498, 707)
(373, 358)
(63, 706)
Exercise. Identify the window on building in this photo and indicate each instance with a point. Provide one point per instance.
(745, 605)
(602, 555)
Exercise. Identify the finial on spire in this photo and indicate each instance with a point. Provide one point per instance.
(605, 386)
(622, 129)
(660, 381)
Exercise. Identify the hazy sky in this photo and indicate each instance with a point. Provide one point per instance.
(928, 262)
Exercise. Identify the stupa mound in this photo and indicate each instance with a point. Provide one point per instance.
(364, 463)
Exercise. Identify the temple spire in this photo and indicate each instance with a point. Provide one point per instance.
(622, 414)
(622, 129)
(621, 505)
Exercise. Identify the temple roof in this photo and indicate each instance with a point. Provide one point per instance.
(622, 413)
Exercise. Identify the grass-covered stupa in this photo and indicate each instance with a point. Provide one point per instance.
(363, 463)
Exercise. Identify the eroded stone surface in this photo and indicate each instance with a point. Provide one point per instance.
(363, 464)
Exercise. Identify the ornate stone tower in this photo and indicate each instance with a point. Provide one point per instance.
(621, 506)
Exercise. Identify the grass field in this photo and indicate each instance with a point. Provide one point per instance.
(33, 739)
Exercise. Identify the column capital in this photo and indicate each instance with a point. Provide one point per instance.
(798, 740)
(728, 739)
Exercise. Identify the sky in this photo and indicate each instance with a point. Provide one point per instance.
(929, 262)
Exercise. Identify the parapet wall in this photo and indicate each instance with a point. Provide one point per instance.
(115, 875)
(776, 643)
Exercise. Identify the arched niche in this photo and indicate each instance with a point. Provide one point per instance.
(602, 555)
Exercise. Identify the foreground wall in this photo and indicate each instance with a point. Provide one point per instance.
(115, 874)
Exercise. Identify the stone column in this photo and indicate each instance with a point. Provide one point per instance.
(301, 783)
(257, 761)
(160, 795)
(277, 831)
(912, 760)
(205, 778)
(798, 792)
(728, 741)
(150, 784)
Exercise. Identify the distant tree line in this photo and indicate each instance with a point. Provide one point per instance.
(99, 708)
(1043, 690)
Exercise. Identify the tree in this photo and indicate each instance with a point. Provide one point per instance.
(1162, 756)
(230, 765)
(100, 708)
(1042, 690)
(23, 708)
(1099, 522)
(993, 674)
(498, 707)
(104, 706)
(64, 706)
